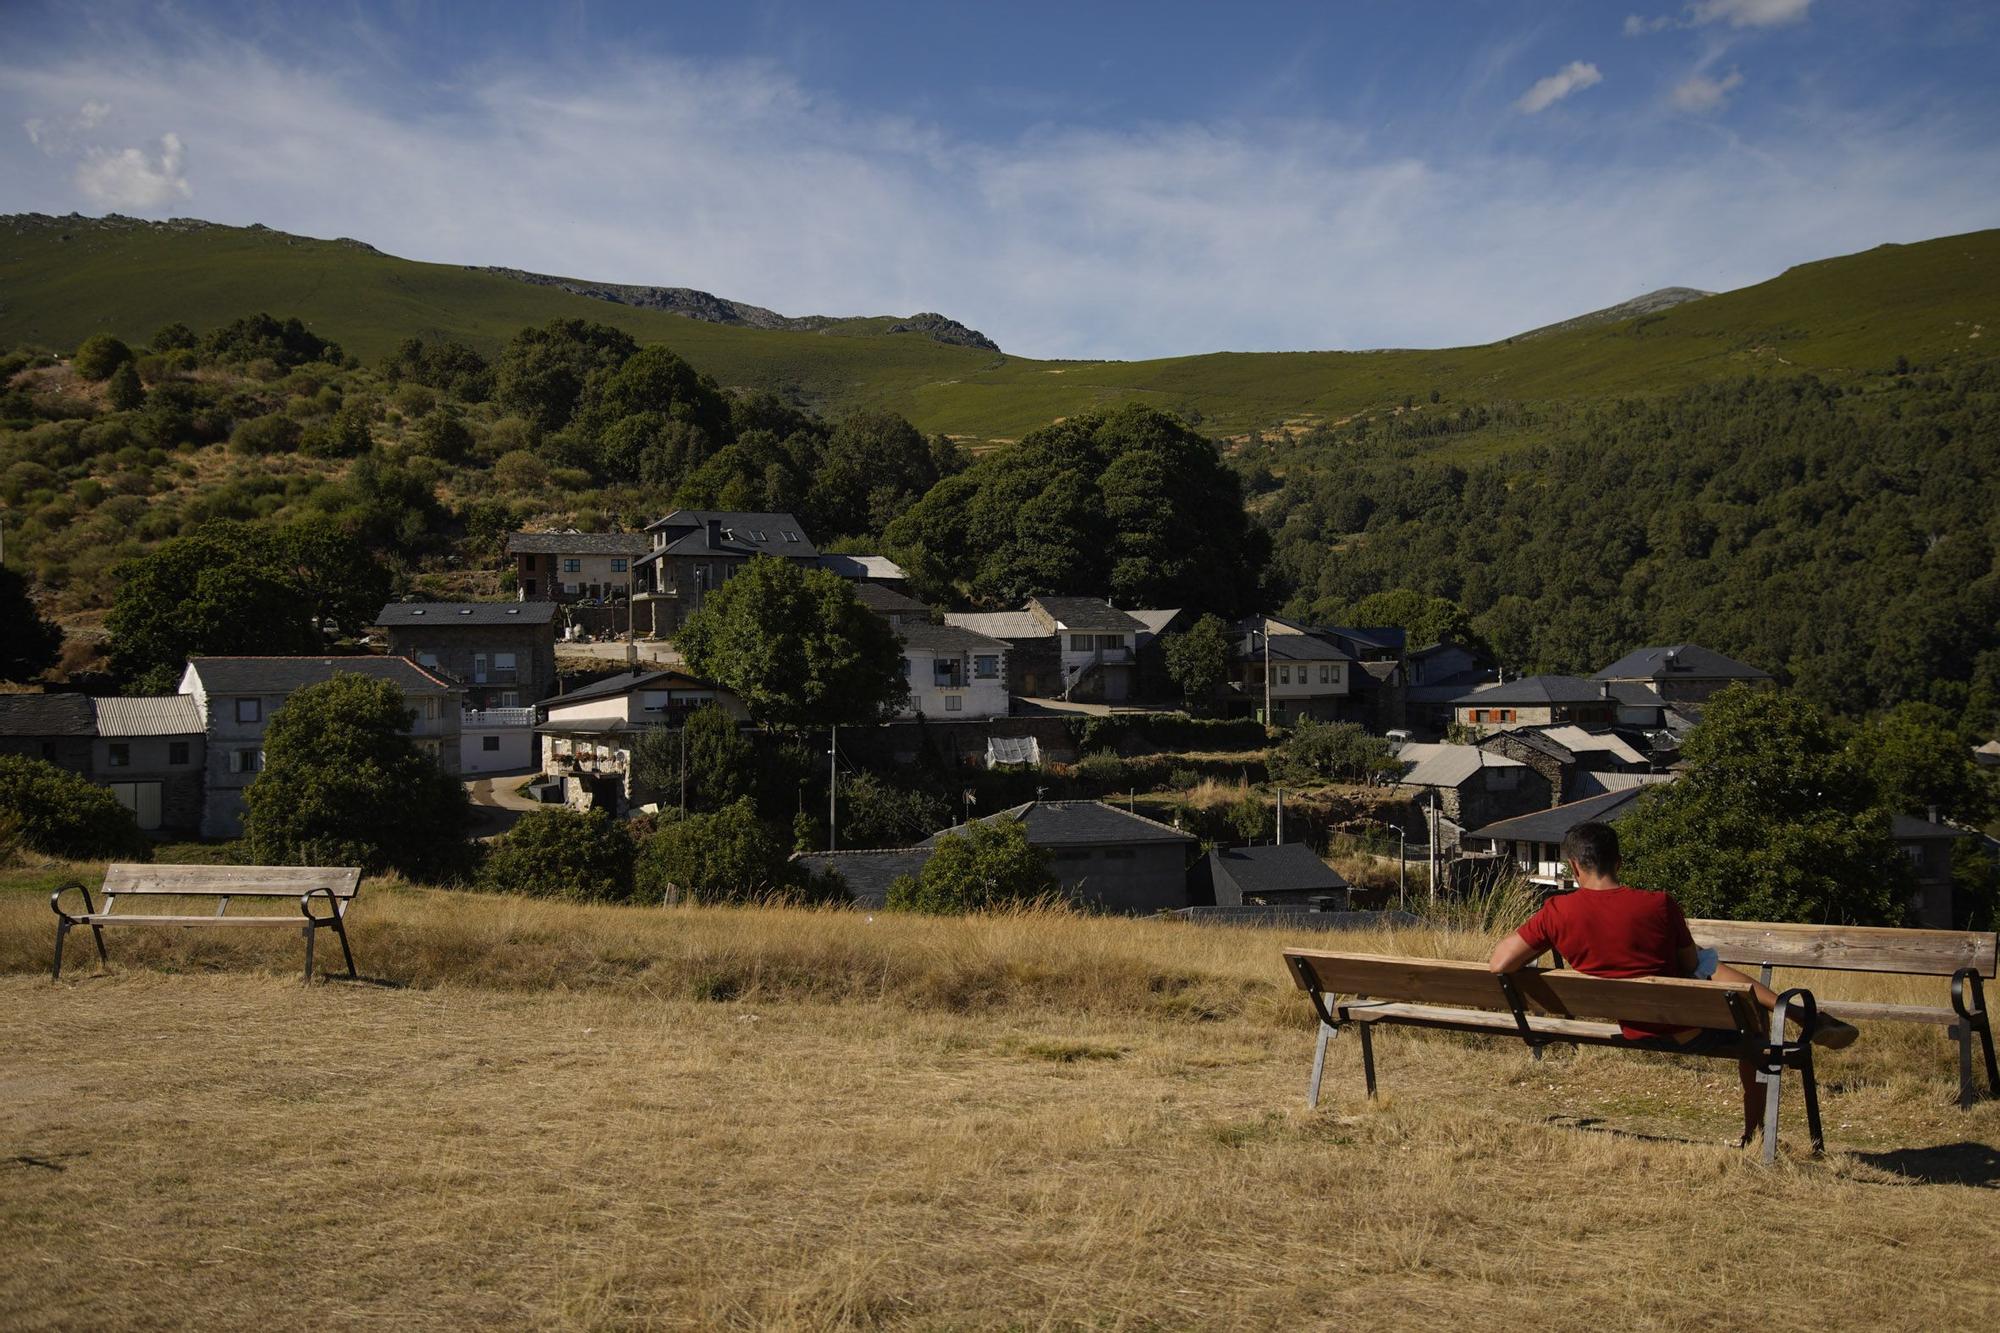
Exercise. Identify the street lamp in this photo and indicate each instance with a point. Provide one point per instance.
(1265, 635)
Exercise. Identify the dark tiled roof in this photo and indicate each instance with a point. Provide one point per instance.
(1289, 867)
(742, 533)
(868, 874)
(1367, 639)
(1633, 694)
(578, 543)
(1533, 740)
(1294, 648)
(1554, 825)
(431, 614)
(625, 682)
(926, 637)
(1088, 614)
(282, 675)
(1688, 661)
(887, 601)
(47, 715)
(1534, 690)
(1079, 824)
(1908, 828)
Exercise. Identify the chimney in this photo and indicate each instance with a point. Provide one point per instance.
(1604, 689)
(714, 533)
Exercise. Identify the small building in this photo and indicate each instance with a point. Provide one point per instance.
(695, 551)
(898, 608)
(588, 735)
(1533, 842)
(1309, 674)
(151, 753)
(1034, 667)
(1932, 848)
(1435, 677)
(953, 673)
(1682, 673)
(58, 728)
(865, 569)
(575, 566)
(1096, 646)
(503, 653)
(1286, 874)
(1536, 701)
(237, 696)
(1470, 785)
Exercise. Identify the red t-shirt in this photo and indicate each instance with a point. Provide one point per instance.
(1621, 932)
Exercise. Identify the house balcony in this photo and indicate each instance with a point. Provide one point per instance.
(497, 717)
(497, 676)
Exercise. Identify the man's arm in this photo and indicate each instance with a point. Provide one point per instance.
(1512, 954)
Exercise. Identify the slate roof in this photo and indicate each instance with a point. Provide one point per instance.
(1088, 614)
(1155, 620)
(1584, 782)
(1381, 639)
(578, 543)
(869, 872)
(888, 602)
(863, 567)
(282, 675)
(466, 613)
(1534, 740)
(999, 624)
(1440, 765)
(928, 638)
(1579, 741)
(1554, 825)
(1689, 661)
(743, 533)
(153, 715)
(1289, 867)
(624, 682)
(1535, 691)
(1078, 824)
(1636, 694)
(1908, 828)
(47, 715)
(1293, 648)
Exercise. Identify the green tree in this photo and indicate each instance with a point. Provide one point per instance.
(1198, 658)
(343, 784)
(1252, 818)
(990, 864)
(1773, 819)
(877, 813)
(728, 856)
(220, 590)
(29, 644)
(58, 813)
(1424, 619)
(1920, 765)
(876, 466)
(442, 434)
(796, 646)
(543, 372)
(172, 337)
(1318, 752)
(123, 390)
(343, 584)
(345, 434)
(99, 355)
(582, 855)
(719, 764)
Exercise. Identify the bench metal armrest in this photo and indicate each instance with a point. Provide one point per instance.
(1778, 1048)
(89, 907)
(1961, 980)
(332, 902)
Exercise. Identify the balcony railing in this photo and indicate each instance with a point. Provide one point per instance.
(498, 717)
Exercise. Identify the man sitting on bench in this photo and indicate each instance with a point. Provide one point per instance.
(1608, 929)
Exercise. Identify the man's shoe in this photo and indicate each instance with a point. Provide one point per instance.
(1833, 1034)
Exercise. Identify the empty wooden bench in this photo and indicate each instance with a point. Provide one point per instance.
(1966, 957)
(330, 888)
(1544, 1006)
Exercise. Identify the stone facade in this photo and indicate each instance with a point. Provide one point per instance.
(500, 665)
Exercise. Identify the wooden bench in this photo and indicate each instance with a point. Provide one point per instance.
(331, 886)
(1966, 957)
(1545, 1006)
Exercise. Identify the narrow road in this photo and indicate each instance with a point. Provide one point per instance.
(496, 806)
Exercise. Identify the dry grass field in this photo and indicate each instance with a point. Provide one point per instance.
(533, 1115)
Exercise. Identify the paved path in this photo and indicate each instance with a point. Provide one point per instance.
(496, 806)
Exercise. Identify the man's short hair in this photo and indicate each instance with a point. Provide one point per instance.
(1593, 847)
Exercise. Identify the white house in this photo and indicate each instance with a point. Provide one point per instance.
(954, 674)
(238, 695)
(588, 735)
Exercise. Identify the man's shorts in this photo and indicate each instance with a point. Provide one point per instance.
(1705, 963)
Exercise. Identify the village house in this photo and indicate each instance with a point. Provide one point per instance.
(1932, 848)
(237, 696)
(898, 608)
(1112, 859)
(504, 653)
(1435, 677)
(147, 752)
(1684, 673)
(1286, 874)
(589, 734)
(1469, 786)
(575, 566)
(1309, 674)
(1567, 757)
(695, 551)
(1078, 648)
(1536, 701)
(954, 674)
(1532, 843)
(58, 728)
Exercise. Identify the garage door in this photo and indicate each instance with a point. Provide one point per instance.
(142, 799)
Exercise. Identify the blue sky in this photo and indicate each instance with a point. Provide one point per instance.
(1075, 180)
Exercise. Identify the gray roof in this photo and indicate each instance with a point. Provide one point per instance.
(743, 533)
(1155, 620)
(1287, 867)
(1686, 661)
(624, 682)
(153, 715)
(1535, 690)
(1445, 765)
(1908, 828)
(466, 613)
(887, 601)
(282, 675)
(862, 566)
(578, 543)
(926, 637)
(869, 873)
(1636, 694)
(1587, 782)
(1293, 648)
(1554, 825)
(47, 715)
(1534, 740)
(1088, 614)
(999, 624)
(1078, 824)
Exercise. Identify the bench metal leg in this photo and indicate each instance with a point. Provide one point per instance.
(1368, 1060)
(62, 929)
(340, 929)
(1962, 1030)
(1809, 1084)
(1327, 1033)
(1770, 1079)
(310, 935)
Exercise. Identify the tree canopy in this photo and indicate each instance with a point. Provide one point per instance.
(59, 813)
(584, 855)
(1198, 657)
(29, 644)
(987, 865)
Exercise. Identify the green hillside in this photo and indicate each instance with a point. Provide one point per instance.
(62, 279)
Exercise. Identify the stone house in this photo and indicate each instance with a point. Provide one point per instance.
(147, 752)
(575, 566)
(503, 653)
(1682, 673)
(1564, 755)
(588, 736)
(1471, 786)
(237, 696)
(694, 551)
(58, 728)
(1034, 664)
(1536, 701)
(1304, 674)
(1096, 646)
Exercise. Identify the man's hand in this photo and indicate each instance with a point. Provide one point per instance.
(1512, 954)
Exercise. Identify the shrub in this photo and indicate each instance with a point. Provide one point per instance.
(124, 391)
(581, 855)
(989, 865)
(57, 813)
(1319, 752)
(441, 434)
(723, 857)
(519, 470)
(273, 434)
(875, 813)
(1102, 768)
(100, 354)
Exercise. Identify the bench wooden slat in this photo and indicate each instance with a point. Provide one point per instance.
(133, 919)
(247, 881)
(1891, 1013)
(1434, 1015)
(1670, 1001)
(1434, 981)
(1936, 953)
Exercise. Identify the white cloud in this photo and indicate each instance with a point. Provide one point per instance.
(60, 136)
(1749, 13)
(1639, 27)
(1545, 93)
(130, 179)
(1700, 94)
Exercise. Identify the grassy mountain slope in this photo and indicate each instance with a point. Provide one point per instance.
(63, 279)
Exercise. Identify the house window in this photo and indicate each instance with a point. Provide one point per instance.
(510, 699)
(572, 566)
(177, 752)
(954, 703)
(986, 667)
(490, 744)
(249, 710)
(245, 761)
(618, 566)
(1336, 673)
(1082, 643)
(121, 755)
(1284, 675)
(1326, 675)
(503, 661)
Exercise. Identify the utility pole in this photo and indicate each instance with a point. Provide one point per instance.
(684, 766)
(1281, 815)
(1434, 848)
(1267, 673)
(833, 787)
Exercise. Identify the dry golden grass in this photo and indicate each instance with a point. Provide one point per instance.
(538, 1115)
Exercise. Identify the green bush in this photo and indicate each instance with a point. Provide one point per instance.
(729, 856)
(57, 813)
(580, 855)
(100, 354)
(989, 865)
(1321, 752)
(124, 391)
(1103, 769)
(273, 434)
